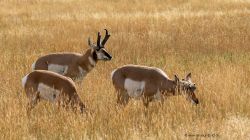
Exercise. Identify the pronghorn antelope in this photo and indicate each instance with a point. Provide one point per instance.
(150, 83)
(75, 65)
(53, 87)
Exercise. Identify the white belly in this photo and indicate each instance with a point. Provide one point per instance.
(60, 69)
(134, 88)
(48, 93)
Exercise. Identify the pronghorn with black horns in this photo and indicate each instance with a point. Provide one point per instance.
(75, 65)
(150, 83)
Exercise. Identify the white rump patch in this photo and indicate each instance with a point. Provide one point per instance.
(48, 93)
(24, 80)
(134, 88)
(33, 66)
(60, 69)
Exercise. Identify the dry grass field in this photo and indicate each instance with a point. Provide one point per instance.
(210, 38)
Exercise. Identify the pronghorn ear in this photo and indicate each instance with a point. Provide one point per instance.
(89, 42)
(91, 45)
(176, 79)
(188, 77)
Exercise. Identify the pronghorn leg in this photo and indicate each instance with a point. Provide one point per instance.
(162, 101)
(32, 102)
(145, 100)
(119, 96)
(125, 98)
(122, 97)
(60, 104)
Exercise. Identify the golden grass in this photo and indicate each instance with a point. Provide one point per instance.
(209, 38)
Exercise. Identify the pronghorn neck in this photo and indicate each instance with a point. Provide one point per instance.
(177, 89)
(88, 60)
(169, 86)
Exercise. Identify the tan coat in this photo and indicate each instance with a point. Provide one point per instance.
(50, 86)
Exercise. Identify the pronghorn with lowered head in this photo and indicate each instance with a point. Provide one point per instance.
(52, 87)
(75, 65)
(150, 83)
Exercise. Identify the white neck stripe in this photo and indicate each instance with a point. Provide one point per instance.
(91, 61)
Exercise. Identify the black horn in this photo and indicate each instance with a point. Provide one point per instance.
(107, 35)
(98, 40)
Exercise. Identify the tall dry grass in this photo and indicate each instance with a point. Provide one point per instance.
(209, 38)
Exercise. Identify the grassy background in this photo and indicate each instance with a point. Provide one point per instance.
(210, 38)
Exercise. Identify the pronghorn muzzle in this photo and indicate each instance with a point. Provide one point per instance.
(193, 98)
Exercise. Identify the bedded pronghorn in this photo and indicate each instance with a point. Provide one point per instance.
(75, 65)
(134, 81)
(53, 87)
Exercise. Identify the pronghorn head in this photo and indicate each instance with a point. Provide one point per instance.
(98, 48)
(187, 87)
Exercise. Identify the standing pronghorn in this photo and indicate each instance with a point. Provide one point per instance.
(75, 65)
(134, 81)
(53, 87)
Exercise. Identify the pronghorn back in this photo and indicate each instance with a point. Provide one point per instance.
(139, 73)
(58, 81)
(43, 62)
